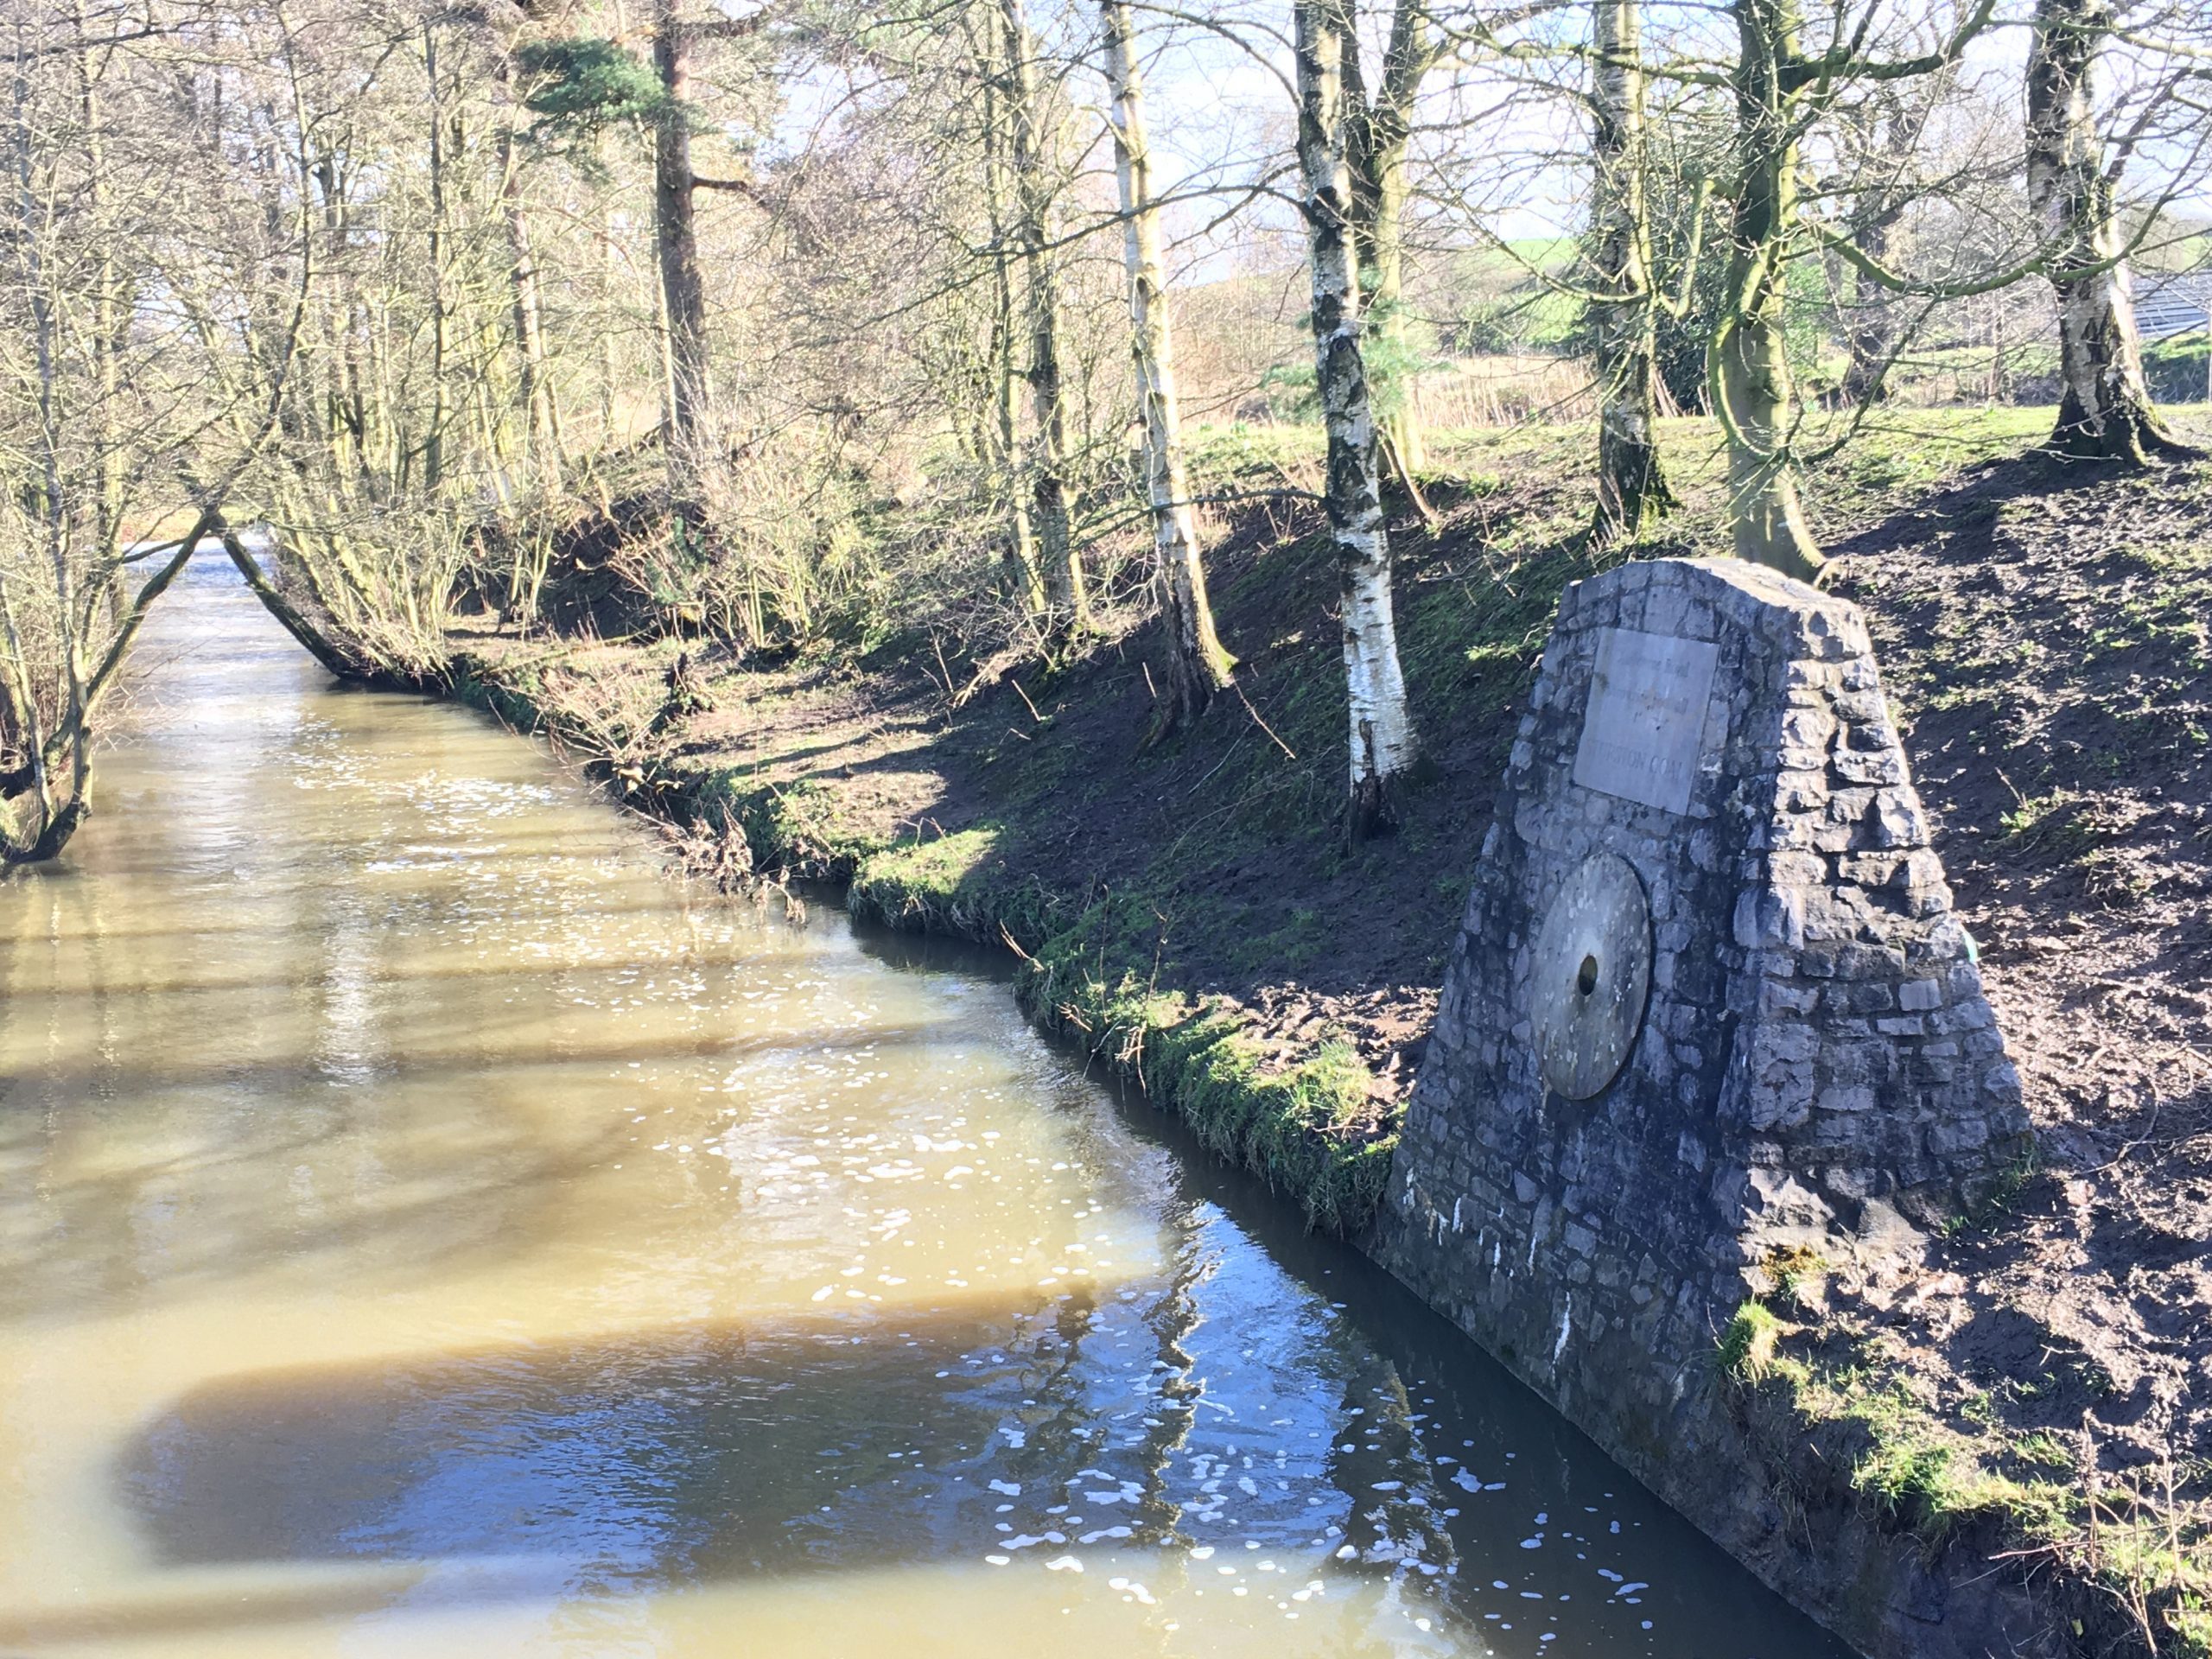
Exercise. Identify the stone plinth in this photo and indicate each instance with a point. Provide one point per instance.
(1809, 1060)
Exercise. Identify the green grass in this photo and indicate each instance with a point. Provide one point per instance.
(1747, 1345)
(2147, 1549)
(1303, 1126)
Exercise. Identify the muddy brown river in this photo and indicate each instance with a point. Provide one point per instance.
(428, 1229)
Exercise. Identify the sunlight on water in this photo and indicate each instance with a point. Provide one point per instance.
(427, 1229)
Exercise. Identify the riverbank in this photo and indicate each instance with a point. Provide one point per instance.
(1185, 908)
(433, 1232)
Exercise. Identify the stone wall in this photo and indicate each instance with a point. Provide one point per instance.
(1811, 1066)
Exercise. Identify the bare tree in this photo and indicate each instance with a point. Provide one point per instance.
(1378, 130)
(1198, 666)
(109, 419)
(1881, 142)
(1002, 443)
(2105, 410)
(1781, 90)
(683, 293)
(1631, 483)
(1752, 390)
(537, 393)
(1067, 594)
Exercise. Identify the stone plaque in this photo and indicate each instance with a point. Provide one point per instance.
(1645, 725)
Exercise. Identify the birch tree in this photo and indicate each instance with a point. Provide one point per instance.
(1378, 133)
(1381, 736)
(1198, 666)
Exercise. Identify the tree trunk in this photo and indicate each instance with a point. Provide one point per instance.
(2104, 410)
(60, 812)
(1005, 458)
(1749, 364)
(434, 441)
(1631, 483)
(1198, 666)
(1067, 598)
(683, 297)
(541, 412)
(108, 310)
(610, 304)
(1897, 122)
(1382, 731)
(1871, 332)
(1377, 135)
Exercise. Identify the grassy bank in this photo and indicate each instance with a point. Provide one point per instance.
(1186, 907)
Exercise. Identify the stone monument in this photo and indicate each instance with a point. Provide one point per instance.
(1708, 1005)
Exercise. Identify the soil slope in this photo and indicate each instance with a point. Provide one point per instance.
(2042, 633)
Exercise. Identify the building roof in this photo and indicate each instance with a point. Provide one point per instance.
(2170, 304)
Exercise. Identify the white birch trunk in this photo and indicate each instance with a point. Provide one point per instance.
(1198, 666)
(1381, 729)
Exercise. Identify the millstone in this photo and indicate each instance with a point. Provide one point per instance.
(1589, 977)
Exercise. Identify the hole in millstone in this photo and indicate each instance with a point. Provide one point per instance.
(1586, 980)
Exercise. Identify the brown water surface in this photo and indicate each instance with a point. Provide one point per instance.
(427, 1229)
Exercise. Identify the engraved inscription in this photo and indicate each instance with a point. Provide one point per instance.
(1645, 725)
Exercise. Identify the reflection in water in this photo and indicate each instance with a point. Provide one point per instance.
(425, 1228)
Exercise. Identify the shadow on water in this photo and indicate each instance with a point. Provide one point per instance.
(673, 1454)
(1378, 1442)
(695, 1453)
(700, 1453)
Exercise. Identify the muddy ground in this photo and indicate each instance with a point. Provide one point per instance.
(2045, 632)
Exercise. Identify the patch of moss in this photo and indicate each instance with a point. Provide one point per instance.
(1794, 1271)
(1305, 1128)
(1747, 1346)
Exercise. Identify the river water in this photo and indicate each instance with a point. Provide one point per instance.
(428, 1229)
